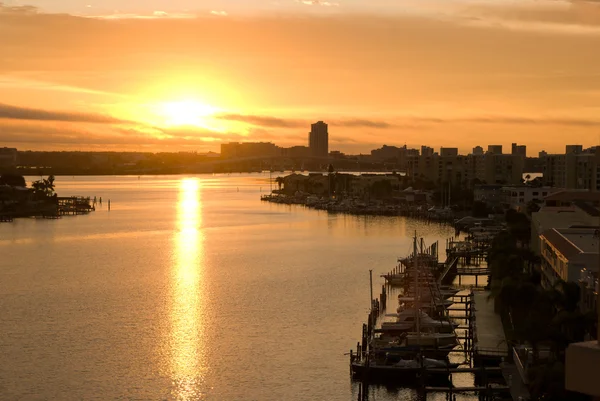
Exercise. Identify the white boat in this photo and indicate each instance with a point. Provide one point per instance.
(405, 321)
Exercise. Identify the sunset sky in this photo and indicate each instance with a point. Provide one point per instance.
(171, 75)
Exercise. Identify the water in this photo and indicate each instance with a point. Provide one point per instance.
(190, 288)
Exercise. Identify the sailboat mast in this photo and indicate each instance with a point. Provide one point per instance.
(417, 292)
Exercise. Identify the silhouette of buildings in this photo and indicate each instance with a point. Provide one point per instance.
(577, 168)
(235, 150)
(520, 150)
(495, 149)
(8, 157)
(318, 139)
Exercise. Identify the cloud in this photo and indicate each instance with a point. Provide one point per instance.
(22, 83)
(275, 122)
(38, 134)
(153, 15)
(17, 10)
(318, 3)
(361, 123)
(24, 113)
(219, 13)
(263, 121)
(509, 120)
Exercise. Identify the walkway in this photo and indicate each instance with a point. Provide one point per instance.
(489, 335)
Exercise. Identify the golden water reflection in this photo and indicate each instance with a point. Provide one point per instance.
(187, 311)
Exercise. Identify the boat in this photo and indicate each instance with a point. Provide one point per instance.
(408, 345)
(405, 321)
(407, 371)
(423, 304)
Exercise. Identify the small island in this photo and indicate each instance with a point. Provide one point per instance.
(37, 200)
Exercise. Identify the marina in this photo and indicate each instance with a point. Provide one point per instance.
(425, 348)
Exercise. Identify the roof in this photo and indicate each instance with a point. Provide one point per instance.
(586, 207)
(571, 195)
(563, 245)
(573, 241)
(586, 239)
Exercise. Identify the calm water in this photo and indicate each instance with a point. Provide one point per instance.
(190, 288)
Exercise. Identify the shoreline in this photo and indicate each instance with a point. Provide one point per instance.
(359, 209)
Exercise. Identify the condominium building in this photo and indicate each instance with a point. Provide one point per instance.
(318, 139)
(568, 251)
(576, 169)
(448, 166)
(564, 209)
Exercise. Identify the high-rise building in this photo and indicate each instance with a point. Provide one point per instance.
(573, 170)
(495, 149)
(318, 140)
(426, 151)
(519, 150)
(448, 152)
(477, 150)
(573, 149)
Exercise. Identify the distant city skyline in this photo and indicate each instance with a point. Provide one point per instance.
(175, 76)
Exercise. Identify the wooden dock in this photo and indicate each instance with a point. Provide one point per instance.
(488, 336)
(465, 389)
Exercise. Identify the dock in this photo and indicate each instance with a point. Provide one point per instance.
(488, 334)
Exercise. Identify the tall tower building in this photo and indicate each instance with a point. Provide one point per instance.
(318, 140)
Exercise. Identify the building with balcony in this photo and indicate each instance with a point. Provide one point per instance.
(566, 252)
(503, 169)
(576, 169)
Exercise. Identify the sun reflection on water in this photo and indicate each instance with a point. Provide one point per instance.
(187, 348)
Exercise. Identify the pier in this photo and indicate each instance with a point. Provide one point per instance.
(490, 345)
(480, 334)
(74, 205)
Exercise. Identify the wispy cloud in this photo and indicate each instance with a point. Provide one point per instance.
(153, 15)
(276, 122)
(361, 123)
(23, 83)
(318, 3)
(31, 114)
(509, 120)
(263, 121)
(219, 13)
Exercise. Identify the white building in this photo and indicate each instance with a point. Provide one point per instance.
(564, 209)
(568, 251)
(517, 197)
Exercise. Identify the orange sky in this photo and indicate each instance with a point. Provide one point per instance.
(439, 74)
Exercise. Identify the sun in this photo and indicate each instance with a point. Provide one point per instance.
(185, 113)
